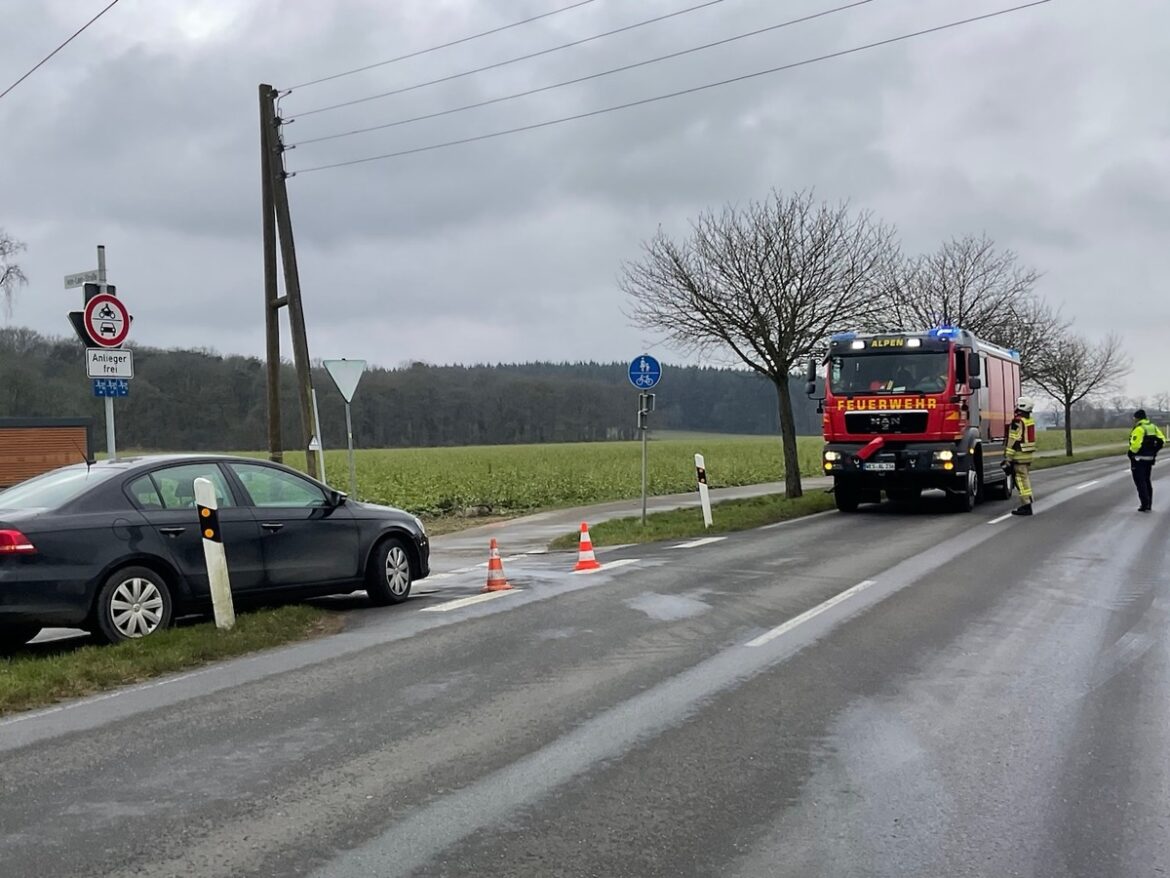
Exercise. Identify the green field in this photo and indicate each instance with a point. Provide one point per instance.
(508, 479)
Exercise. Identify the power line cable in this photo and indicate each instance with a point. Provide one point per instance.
(447, 45)
(507, 61)
(580, 79)
(58, 49)
(687, 91)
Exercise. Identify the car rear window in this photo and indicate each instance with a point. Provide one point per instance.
(53, 490)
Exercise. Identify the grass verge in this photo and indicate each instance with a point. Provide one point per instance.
(34, 679)
(1077, 457)
(730, 515)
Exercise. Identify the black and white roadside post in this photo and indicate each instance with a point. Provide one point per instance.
(704, 492)
(214, 554)
(346, 374)
(645, 372)
(103, 326)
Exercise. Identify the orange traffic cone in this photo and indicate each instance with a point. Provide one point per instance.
(496, 580)
(586, 560)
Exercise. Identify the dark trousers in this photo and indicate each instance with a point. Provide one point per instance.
(1141, 477)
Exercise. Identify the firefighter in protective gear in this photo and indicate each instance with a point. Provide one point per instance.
(1021, 445)
(1145, 442)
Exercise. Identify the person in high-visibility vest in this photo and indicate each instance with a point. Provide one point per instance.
(1018, 451)
(1145, 442)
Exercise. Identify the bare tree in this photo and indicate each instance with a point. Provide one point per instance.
(769, 282)
(11, 277)
(967, 282)
(1070, 369)
(1162, 403)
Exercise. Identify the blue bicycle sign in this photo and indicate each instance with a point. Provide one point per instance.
(645, 372)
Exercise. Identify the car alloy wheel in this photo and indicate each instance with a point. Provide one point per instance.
(134, 602)
(388, 577)
(136, 608)
(397, 571)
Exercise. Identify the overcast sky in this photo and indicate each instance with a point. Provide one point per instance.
(1048, 129)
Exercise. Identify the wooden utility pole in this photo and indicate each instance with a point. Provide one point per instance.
(292, 281)
(272, 304)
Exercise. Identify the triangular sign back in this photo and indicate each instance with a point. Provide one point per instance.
(346, 374)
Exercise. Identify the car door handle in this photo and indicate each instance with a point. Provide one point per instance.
(271, 526)
(171, 531)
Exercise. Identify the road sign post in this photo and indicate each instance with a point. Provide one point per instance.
(320, 446)
(645, 372)
(103, 326)
(214, 554)
(346, 374)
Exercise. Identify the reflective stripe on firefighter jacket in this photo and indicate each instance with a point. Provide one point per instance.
(1021, 440)
(1141, 440)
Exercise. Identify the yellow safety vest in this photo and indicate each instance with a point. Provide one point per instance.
(1137, 439)
(1021, 440)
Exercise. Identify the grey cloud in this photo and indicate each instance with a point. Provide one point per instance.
(509, 249)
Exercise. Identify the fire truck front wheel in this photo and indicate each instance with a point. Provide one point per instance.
(846, 498)
(965, 498)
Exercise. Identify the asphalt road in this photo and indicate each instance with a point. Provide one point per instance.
(896, 693)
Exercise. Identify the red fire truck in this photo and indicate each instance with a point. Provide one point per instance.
(903, 412)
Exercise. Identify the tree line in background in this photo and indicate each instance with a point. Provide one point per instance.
(199, 400)
(769, 281)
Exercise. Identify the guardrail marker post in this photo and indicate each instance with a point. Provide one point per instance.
(704, 492)
(213, 552)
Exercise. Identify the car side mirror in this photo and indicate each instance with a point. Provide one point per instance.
(337, 498)
(974, 383)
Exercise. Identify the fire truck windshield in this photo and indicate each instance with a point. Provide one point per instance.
(925, 372)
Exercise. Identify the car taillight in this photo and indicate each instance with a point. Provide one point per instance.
(13, 542)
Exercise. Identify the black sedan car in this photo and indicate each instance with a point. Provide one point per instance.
(116, 547)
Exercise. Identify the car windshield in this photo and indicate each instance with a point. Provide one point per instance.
(889, 373)
(53, 490)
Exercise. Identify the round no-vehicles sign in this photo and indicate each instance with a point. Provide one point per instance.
(106, 321)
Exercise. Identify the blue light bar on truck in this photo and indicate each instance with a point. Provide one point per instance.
(843, 336)
(945, 332)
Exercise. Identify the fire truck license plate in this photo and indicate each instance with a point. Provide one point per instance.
(881, 466)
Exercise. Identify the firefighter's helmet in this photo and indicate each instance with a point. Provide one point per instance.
(1024, 404)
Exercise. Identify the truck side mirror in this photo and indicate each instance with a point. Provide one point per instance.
(974, 383)
(810, 388)
(811, 375)
(973, 364)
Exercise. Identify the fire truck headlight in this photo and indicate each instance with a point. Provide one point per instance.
(944, 455)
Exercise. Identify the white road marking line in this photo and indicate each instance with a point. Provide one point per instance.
(467, 602)
(609, 565)
(1001, 518)
(781, 630)
(1086, 485)
(694, 544)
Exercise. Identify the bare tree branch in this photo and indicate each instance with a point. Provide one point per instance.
(11, 276)
(768, 281)
(1069, 369)
(968, 283)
